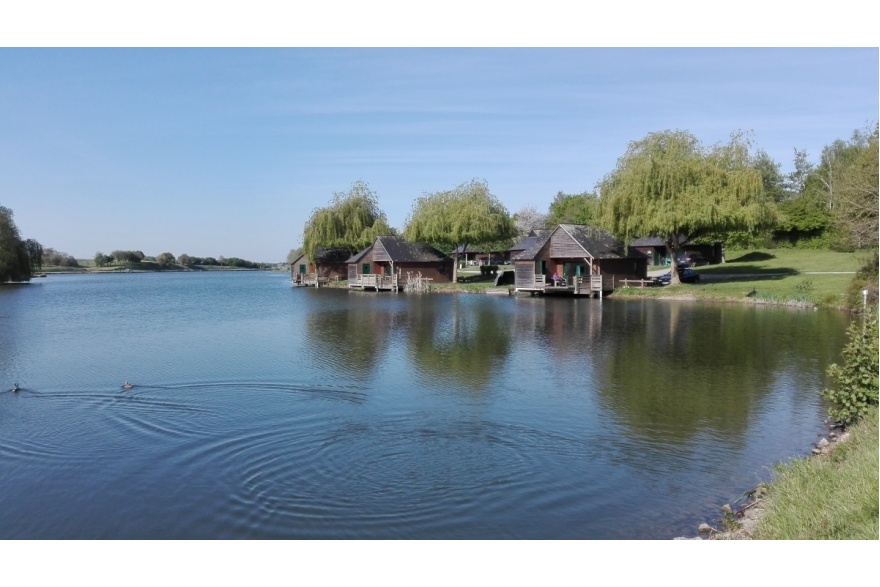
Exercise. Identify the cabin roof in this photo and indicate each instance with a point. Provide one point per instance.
(532, 245)
(533, 237)
(654, 241)
(402, 251)
(356, 258)
(595, 242)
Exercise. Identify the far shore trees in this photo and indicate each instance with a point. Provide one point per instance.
(669, 186)
(102, 260)
(466, 215)
(164, 259)
(352, 221)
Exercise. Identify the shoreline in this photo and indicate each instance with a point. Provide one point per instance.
(626, 293)
(739, 523)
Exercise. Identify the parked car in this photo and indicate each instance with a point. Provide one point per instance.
(685, 274)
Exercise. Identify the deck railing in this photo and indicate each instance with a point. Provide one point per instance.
(375, 281)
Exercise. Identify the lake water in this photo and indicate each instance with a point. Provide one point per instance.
(266, 411)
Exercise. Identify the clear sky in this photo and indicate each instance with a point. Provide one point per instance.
(216, 152)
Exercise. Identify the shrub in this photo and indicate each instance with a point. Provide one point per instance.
(857, 379)
(866, 279)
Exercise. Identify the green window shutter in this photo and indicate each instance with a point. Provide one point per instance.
(365, 268)
(302, 269)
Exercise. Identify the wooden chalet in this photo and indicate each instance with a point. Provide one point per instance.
(329, 265)
(391, 262)
(469, 255)
(586, 261)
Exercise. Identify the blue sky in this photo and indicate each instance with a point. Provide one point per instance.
(216, 152)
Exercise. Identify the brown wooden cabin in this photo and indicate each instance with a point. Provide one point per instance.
(469, 255)
(329, 265)
(587, 260)
(390, 262)
(659, 254)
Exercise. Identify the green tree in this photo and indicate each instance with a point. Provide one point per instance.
(837, 159)
(802, 219)
(855, 214)
(35, 254)
(184, 259)
(669, 186)
(466, 215)
(15, 263)
(164, 259)
(771, 178)
(353, 220)
(580, 208)
(102, 260)
(796, 180)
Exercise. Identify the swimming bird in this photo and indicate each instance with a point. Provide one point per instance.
(127, 385)
(15, 387)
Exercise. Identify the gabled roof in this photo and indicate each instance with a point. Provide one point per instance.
(469, 248)
(528, 241)
(533, 245)
(356, 258)
(402, 251)
(595, 242)
(599, 243)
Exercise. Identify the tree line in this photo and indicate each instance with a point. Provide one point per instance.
(165, 260)
(667, 185)
(19, 258)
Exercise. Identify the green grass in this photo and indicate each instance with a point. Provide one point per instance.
(778, 276)
(833, 497)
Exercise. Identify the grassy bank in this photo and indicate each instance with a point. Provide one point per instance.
(827, 497)
(778, 276)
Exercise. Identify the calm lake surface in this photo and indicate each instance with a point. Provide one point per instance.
(265, 411)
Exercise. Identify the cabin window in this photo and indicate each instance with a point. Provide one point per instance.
(302, 269)
(365, 268)
(543, 267)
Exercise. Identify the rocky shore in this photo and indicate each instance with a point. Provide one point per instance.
(739, 523)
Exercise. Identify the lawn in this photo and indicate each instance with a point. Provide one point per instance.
(786, 276)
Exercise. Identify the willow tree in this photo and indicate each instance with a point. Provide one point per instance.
(466, 215)
(352, 221)
(668, 185)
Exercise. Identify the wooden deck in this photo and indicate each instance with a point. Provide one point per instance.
(375, 282)
(593, 285)
(308, 280)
